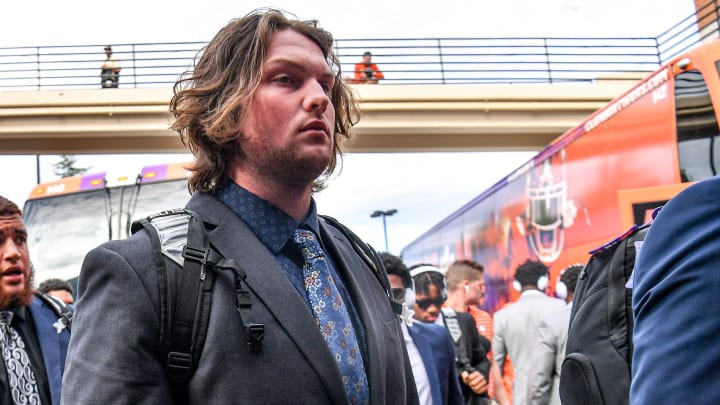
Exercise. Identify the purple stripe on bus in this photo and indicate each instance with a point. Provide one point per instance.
(616, 240)
(160, 173)
(91, 181)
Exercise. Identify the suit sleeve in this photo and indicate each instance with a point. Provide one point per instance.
(112, 357)
(498, 344)
(675, 301)
(543, 366)
(480, 347)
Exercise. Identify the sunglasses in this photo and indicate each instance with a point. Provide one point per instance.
(426, 303)
(398, 294)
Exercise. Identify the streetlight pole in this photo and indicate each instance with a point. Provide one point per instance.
(383, 214)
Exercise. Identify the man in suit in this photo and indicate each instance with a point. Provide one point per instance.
(466, 293)
(430, 348)
(516, 325)
(264, 112)
(550, 346)
(33, 348)
(471, 348)
(676, 301)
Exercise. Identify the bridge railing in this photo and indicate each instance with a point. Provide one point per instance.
(402, 60)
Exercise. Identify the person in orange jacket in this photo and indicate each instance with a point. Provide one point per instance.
(367, 72)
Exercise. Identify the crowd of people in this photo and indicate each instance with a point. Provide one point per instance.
(266, 112)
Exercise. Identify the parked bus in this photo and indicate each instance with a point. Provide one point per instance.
(67, 218)
(593, 182)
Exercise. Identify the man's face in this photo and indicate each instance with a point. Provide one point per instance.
(15, 286)
(427, 306)
(367, 59)
(476, 292)
(290, 122)
(62, 295)
(397, 287)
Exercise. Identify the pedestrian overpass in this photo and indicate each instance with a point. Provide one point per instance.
(394, 118)
(439, 94)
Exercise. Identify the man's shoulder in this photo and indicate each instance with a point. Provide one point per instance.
(557, 319)
(429, 328)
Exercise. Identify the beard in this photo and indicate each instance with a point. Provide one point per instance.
(284, 167)
(20, 298)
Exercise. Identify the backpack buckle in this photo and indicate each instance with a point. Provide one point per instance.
(179, 362)
(256, 334)
(198, 255)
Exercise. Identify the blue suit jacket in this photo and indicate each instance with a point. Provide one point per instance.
(676, 302)
(438, 355)
(53, 345)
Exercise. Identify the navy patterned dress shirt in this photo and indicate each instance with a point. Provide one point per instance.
(274, 227)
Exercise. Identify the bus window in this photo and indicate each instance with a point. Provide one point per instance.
(697, 128)
(62, 229)
(150, 198)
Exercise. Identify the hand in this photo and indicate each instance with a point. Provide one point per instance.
(475, 381)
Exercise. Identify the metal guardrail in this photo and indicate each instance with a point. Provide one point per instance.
(403, 61)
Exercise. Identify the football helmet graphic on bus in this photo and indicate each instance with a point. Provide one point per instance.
(549, 211)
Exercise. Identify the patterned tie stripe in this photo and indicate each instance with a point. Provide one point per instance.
(21, 378)
(332, 317)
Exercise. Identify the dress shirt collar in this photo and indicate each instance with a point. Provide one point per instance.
(19, 313)
(528, 293)
(273, 226)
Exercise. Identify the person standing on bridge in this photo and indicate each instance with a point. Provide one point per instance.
(366, 72)
(110, 70)
(265, 112)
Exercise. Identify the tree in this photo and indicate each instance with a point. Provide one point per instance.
(66, 167)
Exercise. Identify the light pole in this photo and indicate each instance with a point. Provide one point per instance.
(384, 214)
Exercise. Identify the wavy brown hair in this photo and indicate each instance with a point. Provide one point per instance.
(209, 102)
(8, 207)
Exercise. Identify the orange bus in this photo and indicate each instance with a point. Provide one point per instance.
(84, 211)
(591, 183)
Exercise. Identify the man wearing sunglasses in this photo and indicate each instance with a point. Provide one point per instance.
(430, 348)
(470, 347)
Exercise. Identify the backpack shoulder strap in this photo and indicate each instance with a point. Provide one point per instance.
(185, 262)
(619, 311)
(61, 309)
(179, 290)
(369, 256)
(462, 357)
(452, 324)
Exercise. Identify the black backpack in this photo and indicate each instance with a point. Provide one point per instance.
(598, 357)
(187, 266)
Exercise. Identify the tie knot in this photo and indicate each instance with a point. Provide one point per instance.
(308, 244)
(6, 318)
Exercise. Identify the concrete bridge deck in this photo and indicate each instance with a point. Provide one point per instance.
(395, 118)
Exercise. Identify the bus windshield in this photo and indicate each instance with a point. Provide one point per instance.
(64, 225)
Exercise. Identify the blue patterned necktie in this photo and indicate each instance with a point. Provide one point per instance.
(332, 317)
(21, 378)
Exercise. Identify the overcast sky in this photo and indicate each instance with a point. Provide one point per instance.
(424, 188)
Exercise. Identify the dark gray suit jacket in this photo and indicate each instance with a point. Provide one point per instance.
(114, 350)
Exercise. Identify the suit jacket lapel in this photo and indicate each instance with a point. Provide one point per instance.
(53, 344)
(428, 358)
(271, 287)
